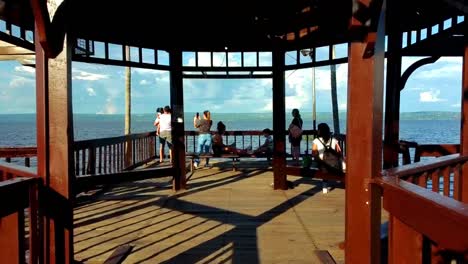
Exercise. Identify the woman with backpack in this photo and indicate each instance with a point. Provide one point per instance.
(327, 150)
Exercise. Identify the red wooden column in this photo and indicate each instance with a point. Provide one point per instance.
(55, 151)
(177, 103)
(364, 136)
(464, 125)
(279, 120)
(12, 237)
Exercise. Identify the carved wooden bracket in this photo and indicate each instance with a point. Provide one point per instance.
(50, 34)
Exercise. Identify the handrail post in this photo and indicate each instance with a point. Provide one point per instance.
(91, 169)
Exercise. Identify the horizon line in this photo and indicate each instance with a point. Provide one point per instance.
(151, 113)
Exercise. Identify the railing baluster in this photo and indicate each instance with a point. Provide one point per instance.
(422, 180)
(83, 160)
(105, 159)
(194, 143)
(456, 182)
(435, 180)
(446, 175)
(77, 162)
(100, 159)
(109, 158)
(134, 151)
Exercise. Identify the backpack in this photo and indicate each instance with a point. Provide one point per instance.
(331, 157)
(295, 131)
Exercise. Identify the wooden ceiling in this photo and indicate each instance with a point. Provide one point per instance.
(214, 25)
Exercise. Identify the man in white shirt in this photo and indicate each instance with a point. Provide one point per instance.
(163, 122)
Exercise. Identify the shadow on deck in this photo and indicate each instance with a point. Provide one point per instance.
(224, 217)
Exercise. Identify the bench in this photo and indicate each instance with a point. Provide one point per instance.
(234, 157)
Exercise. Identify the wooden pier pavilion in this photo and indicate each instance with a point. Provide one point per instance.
(424, 226)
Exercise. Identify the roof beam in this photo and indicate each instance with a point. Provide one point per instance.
(460, 5)
(14, 50)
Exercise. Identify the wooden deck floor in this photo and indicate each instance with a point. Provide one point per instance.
(225, 217)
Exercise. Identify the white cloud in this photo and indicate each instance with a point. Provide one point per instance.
(445, 71)
(456, 105)
(144, 82)
(25, 69)
(90, 91)
(268, 107)
(88, 76)
(109, 108)
(21, 81)
(342, 106)
(430, 96)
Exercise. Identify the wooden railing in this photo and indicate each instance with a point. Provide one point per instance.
(425, 150)
(107, 155)
(439, 222)
(254, 138)
(18, 191)
(18, 152)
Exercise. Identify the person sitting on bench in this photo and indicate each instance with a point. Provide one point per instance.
(218, 145)
(267, 147)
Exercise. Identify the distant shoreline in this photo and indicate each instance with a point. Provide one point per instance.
(407, 116)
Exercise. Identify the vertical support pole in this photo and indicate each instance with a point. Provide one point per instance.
(55, 149)
(464, 126)
(334, 96)
(392, 97)
(128, 109)
(177, 103)
(364, 138)
(279, 120)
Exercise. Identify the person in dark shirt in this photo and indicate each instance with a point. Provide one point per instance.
(267, 147)
(204, 135)
(218, 145)
(295, 134)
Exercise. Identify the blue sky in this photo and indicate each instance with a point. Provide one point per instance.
(100, 89)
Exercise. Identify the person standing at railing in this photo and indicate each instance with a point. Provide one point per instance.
(295, 135)
(164, 125)
(204, 135)
(159, 112)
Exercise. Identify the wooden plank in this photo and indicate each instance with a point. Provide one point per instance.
(9, 239)
(405, 243)
(413, 205)
(119, 254)
(17, 152)
(436, 150)
(16, 192)
(423, 166)
(324, 256)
